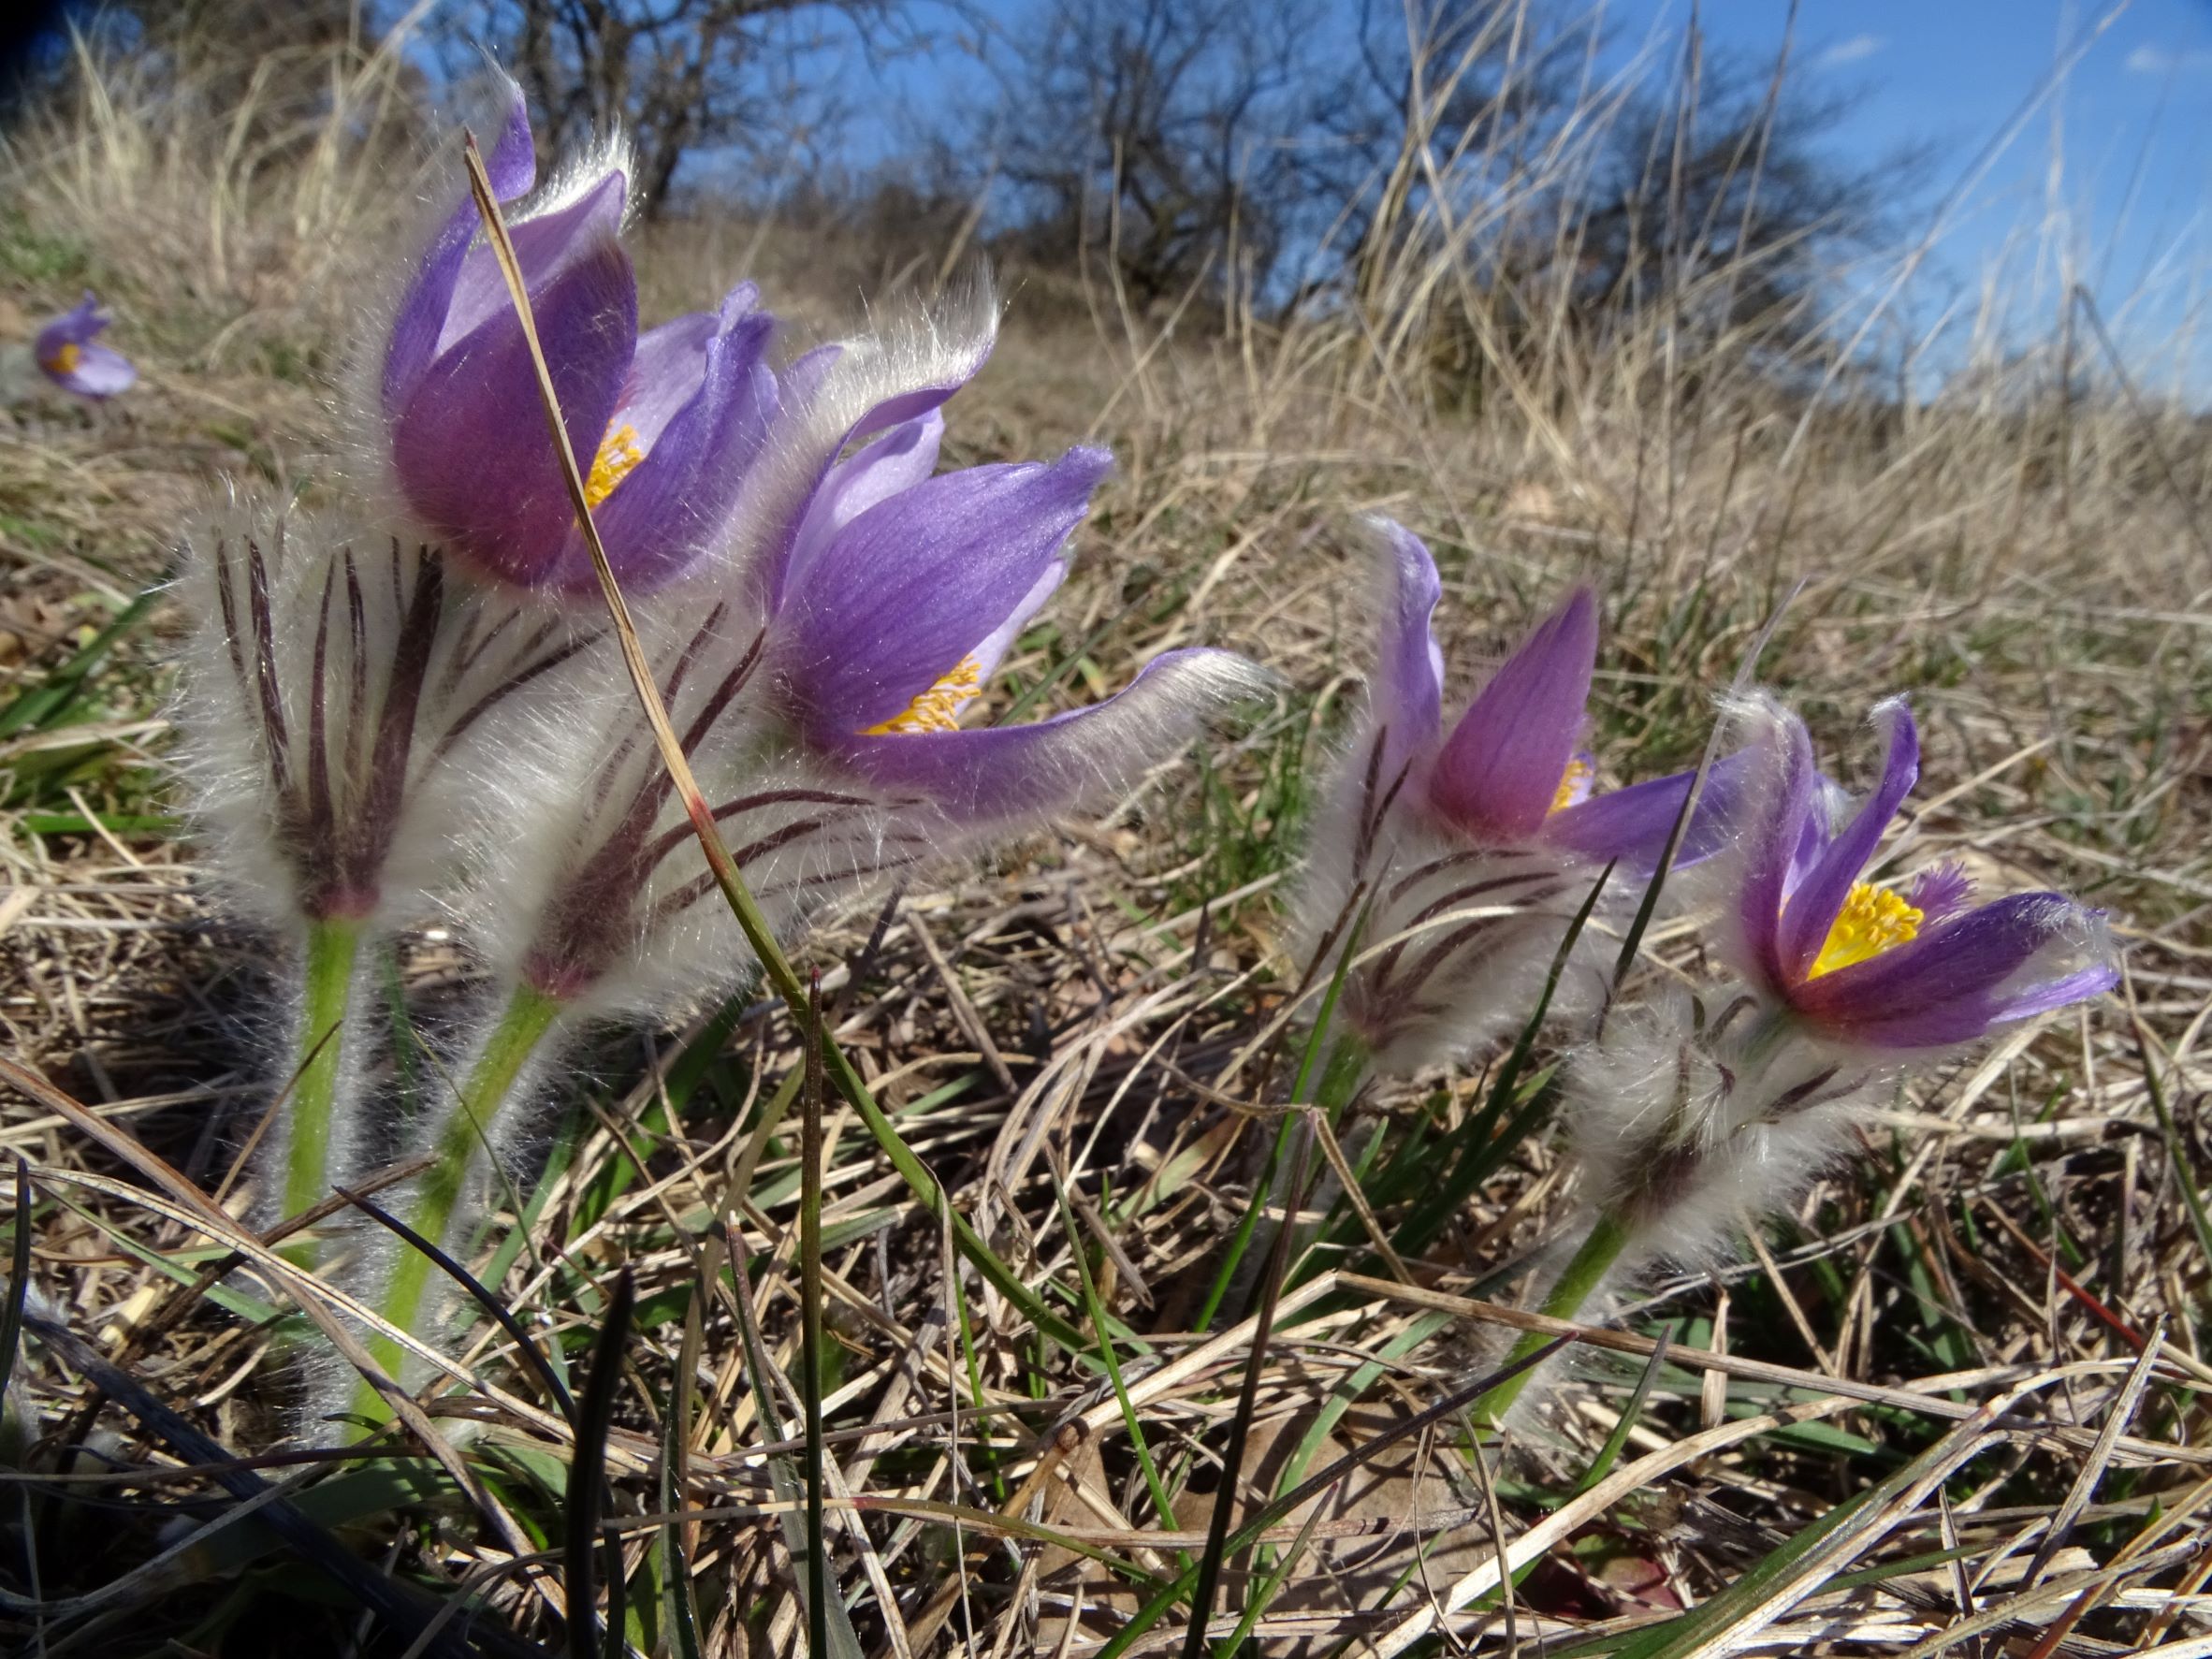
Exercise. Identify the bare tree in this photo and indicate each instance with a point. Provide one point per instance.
(681, 78)
(1723, 202)
(1181, 135)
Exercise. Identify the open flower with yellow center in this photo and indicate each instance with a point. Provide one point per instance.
(898, 591)
(1860, 962)
(666, 424)
(71, 356)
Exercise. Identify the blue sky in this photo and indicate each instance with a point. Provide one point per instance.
(2131, 129)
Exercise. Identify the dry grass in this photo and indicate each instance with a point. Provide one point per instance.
(1989, 1327)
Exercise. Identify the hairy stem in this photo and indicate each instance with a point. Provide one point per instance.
(1577, 1282)
(333, 943)
(465, 1138)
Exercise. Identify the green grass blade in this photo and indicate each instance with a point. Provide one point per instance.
(587, 1477)
(1096, 1311)
(50, 703)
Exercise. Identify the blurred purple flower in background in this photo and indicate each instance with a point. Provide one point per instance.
(70, 355)
(665, 423)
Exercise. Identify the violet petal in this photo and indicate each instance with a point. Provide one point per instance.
(1771, 848)
(469, 448)
(101, 372)
(899, 459)
(1632, 824)
(1819, 897)
(1501, 768)
(512, 169)
(545, 246)
(1954, 981)
(1086, 757)
(862, 389)
(667, 512)
(912, 586)
(1408, 692)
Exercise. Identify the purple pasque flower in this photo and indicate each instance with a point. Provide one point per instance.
(896, 591)
(819, 695)
(1472, 848)
(1512, 771)
(69, 353)
(665, 423)
(1869, 966)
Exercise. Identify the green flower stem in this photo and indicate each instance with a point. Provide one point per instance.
(332, 945)
(530, 1015)
(1576, 1284)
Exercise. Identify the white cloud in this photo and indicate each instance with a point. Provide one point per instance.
(1855, 50)
(2163, 60)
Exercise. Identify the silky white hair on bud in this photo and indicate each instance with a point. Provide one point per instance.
(353, 727)
(1690, 1132)
(869, 384)
(353, 720)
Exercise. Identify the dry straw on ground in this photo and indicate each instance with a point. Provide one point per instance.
(1987, 1331)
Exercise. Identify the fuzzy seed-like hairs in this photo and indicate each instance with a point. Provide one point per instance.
(1689, 1133)
(355, 723)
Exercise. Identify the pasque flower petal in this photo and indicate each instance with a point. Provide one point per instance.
(917, 582)
(1632, 824)
(665, 515)
(1408, 692)
(1075, 761)
(902, 457)
(1956, 981)
(470, 445)
(1820, 894)
(100, 372)
(546, 246)
(1773, 848)
(1500, 769)
(512, 169)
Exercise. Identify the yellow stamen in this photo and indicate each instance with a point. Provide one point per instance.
(618, 454)
(64, 358)
(1573, 784)
(937, 709)
(1872, 920)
